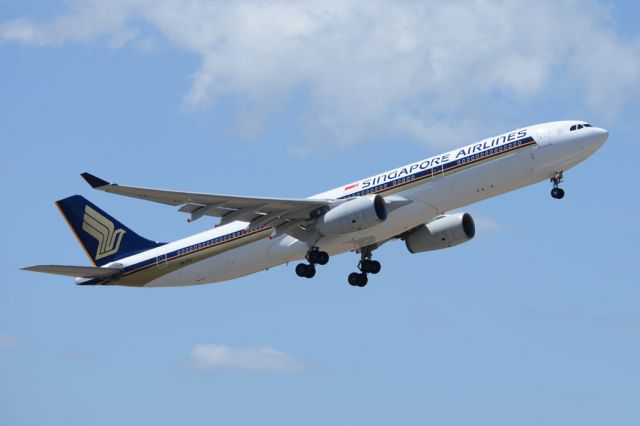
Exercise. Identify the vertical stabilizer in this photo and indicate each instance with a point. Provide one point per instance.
(103, 238)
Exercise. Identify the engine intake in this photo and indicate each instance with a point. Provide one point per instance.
(354, 215)
(442, 232)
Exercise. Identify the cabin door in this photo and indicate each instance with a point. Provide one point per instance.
(161, 261)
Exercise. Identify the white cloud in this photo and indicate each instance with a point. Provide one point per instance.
(10, 342)
(207, 357)
(376, 67)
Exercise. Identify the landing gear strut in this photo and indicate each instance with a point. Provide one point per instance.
(314, 257)
(366, 266)
(556, 192)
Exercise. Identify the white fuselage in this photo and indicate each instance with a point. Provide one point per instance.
(497, 165)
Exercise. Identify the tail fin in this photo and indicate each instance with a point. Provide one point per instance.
(103, 238)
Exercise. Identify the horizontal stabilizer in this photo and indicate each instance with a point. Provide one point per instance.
(75, 271)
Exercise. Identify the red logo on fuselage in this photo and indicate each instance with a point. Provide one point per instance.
(353, 185)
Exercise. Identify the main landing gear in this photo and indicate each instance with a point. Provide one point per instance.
(366, 266)
(314, 257)
(556, 192)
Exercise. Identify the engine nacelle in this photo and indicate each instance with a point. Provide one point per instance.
(442, 232)
(354, 215)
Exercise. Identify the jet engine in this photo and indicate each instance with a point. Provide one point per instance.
(442, 232)
(354, 215)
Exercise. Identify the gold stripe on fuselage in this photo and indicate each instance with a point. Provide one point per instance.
(145, 274)
(410, 183)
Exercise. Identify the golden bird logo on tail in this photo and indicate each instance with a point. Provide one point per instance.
(102, 229)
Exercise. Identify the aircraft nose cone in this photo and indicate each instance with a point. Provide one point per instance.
(601, 135)
(596, 137)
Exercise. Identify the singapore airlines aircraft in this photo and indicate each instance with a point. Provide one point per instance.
(409, 203)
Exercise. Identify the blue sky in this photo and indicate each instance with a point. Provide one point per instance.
(533, 322)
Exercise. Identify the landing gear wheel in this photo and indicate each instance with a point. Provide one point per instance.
(311, 271)
(315, 256)
(301, 270)
(365, 265)
(305, 271)
(557, 193)
(354, 278)
(363, 280)
(358, 280)
(375, 267)
(369, 266)
(324, 258)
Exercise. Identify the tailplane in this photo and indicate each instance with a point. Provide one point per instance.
(103, 238)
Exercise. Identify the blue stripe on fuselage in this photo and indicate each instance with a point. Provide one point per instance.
(182, 252)
(375, 189)
(444, 168)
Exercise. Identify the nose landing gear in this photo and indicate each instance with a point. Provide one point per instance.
(556, 179)
(557, 193)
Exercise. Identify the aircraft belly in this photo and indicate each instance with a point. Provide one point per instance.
(559, 157)
(266, 253)
(244, 260)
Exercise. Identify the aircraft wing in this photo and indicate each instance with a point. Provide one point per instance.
(259, 211)
(75, 271)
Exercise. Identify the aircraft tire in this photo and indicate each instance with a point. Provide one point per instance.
(375, 267)
(310, 271)
(362, 280)
(301, 270)
(557, 193)
(323, 258)
(354, 279)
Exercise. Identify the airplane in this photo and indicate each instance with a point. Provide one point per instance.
(409, 203)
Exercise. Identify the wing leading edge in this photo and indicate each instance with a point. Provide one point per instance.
(280, 213)
(292, 216)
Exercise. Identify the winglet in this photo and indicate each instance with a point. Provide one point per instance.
(94, 181)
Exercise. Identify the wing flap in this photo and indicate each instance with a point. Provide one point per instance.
(201, 204)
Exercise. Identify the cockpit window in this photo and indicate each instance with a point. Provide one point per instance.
(579, 126)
